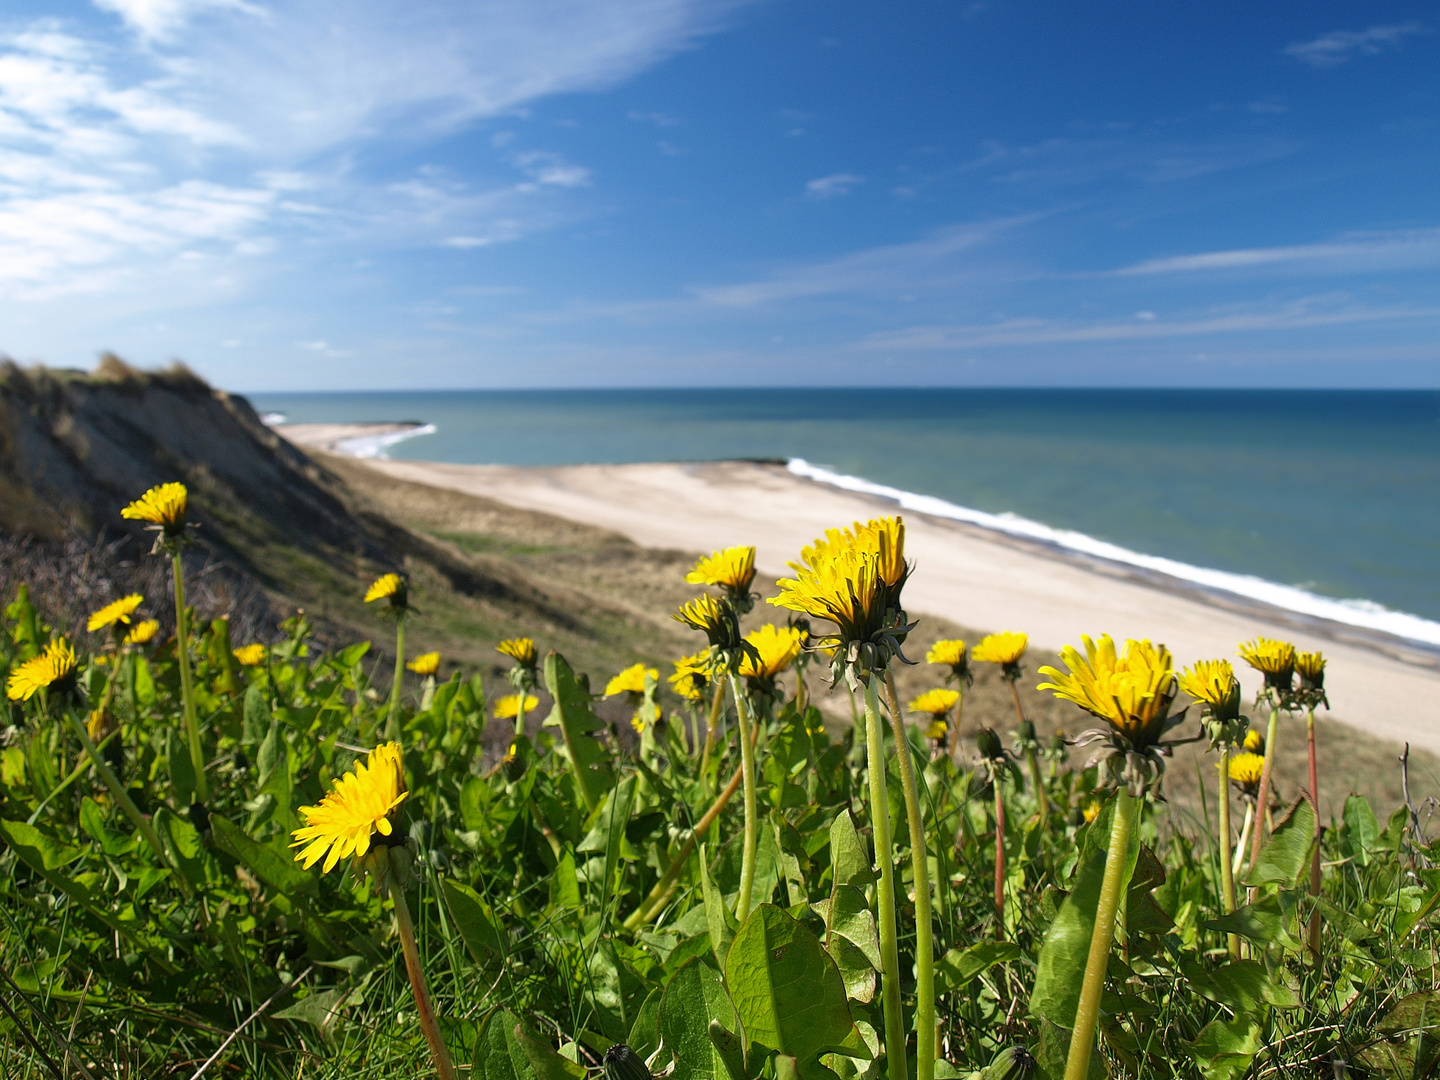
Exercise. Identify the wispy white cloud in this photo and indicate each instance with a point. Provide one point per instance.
(1338, 46)
(1358, 252)
(159, 19)
(828, 187)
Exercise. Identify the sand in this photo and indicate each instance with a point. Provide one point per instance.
(1378, 684)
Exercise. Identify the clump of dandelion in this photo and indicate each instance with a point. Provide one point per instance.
(1007, 649)
(1276, 661)
(936, 704)
(163, 509)
(1213, 684)
(426, 665)
(54, 666)
(252, 655)
(719, 621)
(357, 820)
(691, 679)
(1133, 693)
(732, 570)
(776, 648)
(116, 614)
(513, 705)
(143, 632)
(396, 593)
(1310, 666)
(524, 673)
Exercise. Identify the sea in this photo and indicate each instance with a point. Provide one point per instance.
(1324, 502)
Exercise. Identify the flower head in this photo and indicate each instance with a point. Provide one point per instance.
(142, 632)
(118, 612)
(935, 703)
(776, 648)
(952, 653)
(692, 676)
(1091, 811)
(358, 806)
(55, 667)
(1311, 667)
(508, 707)
(163, 507)
(1246, 770)
(631, 680)
(936, 729)
(720, 624)
(1006, 649)
(425, 664)
(252, 655)
(1213, 684)
(1275, 659)
(732, 569)
(1254, 741)
(390, 587)
(521, 650)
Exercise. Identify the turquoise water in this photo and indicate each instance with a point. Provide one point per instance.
(1334, 492)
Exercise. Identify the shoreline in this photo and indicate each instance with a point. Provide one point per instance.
(976, 576)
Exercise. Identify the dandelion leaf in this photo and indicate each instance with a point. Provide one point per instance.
(1361, 829)
(694, 998)
(1285, 858)
(474, 919)
(1224, 1048)
(578, 724)
(278, 871)
(1409, 1043)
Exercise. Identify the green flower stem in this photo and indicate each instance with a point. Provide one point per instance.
(1082, 1039)
(885, 892)
(1227, 872)
(1238, 859)
(392, 718)
(423, 1008)
(187, 689)
(126, 803)
(1030, 761)
(925, 1052)
(955, 731)
(998, 786)
(1314, 936)
(717, 702)
(520, 711)
(1263, 801)
(747, 772)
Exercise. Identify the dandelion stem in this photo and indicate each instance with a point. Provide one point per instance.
(995, 782)
(187, 689)
(955, 732)
(1082, 1039)
(1262, 802)
(1315, 851)
(747, 771)
(520, 712)
(1238, 860)
(1031, 764)
(717, 702)
(426, 1011)
(885, 892)
(126, 803)
(925, 1052)
(1227, 871)
(392, 718)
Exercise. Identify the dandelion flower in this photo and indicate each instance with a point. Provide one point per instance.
(950, 652)
(1213, 682)
(358, 806)
(1091, 811)
(1311, 666)
(1246, 770)
(1275, 659)
(251, 655)
(631, 680)
(1132, 692)
(50, 668)
(508, 707)
(521, 650)
(117, 612)
(425, 664)
(936, 730)
(1254, 742)
(936, 702)
(732, 570)
(162, 506)
(143, 632)
(388, 587)
(1005, 648)
(639, 723)
(776, 648)
(692, 676)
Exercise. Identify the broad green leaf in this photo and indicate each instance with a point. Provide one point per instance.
(1285, 858)
(256, 715)
(607, 834)
(271, 753)
(1225, 1048)
(498, 1055)
(276, 870)
(1053, 1050)
(1142, 914)
(644, 1038)
(320, 1009)
(1409, 1043)
(958, 967)
(183, 845)
(182, 771)
(1361, 830)
(731, 1049)
(564, 885)
(694, 998)
(1243, 986)
(543, 1058)
(718, 917)
(1067, 947)
(849, 859)
(853, 940)
(787, 991)
(474, 919)
(1262, 922)
(577, 723)
(41, 850)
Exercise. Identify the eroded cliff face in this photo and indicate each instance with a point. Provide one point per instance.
(76, 447)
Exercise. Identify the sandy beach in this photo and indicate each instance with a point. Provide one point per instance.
(973, 576)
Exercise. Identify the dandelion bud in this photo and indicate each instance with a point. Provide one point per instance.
(989, 745)
(622, 1063)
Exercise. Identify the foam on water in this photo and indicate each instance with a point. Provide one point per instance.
(1360, 613)
(375, 446)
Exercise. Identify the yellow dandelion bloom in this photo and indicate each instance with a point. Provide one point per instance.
(704, 613)
(1254, 742)
(692, 676)
(1003, 648)
(951, 653)
(1246, 769)
(143, 632)
(936, 702)
(1213, 682)
(117, 612)
(385, 587)
(251, 655)
(1091, 811)
(508, 707)
(1311, 666)
(851, 577)
(630, 681)
(521, 650)
(1275, 658)
(936, 729)
(425, 664)
(777, 648)
(99, 724)
(638, 723)
(163, 505)
(1132, 692)
(358, 806)
(732, 569)
(54, 665)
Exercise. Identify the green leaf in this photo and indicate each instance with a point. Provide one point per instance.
(1225, 1048)
(498, 1055)
(1262, 922)
(474, 919)
(41, 850)
(787, 991)
(1066, 948)
(644, 1038)
(694, 998)
(849, 861)
(280, 873)
(1142, 914)
(1361, 830)
(548, 1064)
(1285, 858)
(271, 752)
(958, 967)
(571, 712)
(731, 1049)
(320, 1009)
(718, 917)
(183, 845)
(852, 940)
(564, 885)
(256, 715)
(1053, 1050)
(1409, 1046)
(1242, 986)
(182, 770)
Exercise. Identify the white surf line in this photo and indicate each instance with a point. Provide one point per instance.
(374, 446)
(1360, 613)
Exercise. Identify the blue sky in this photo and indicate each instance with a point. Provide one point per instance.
(372, 193)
